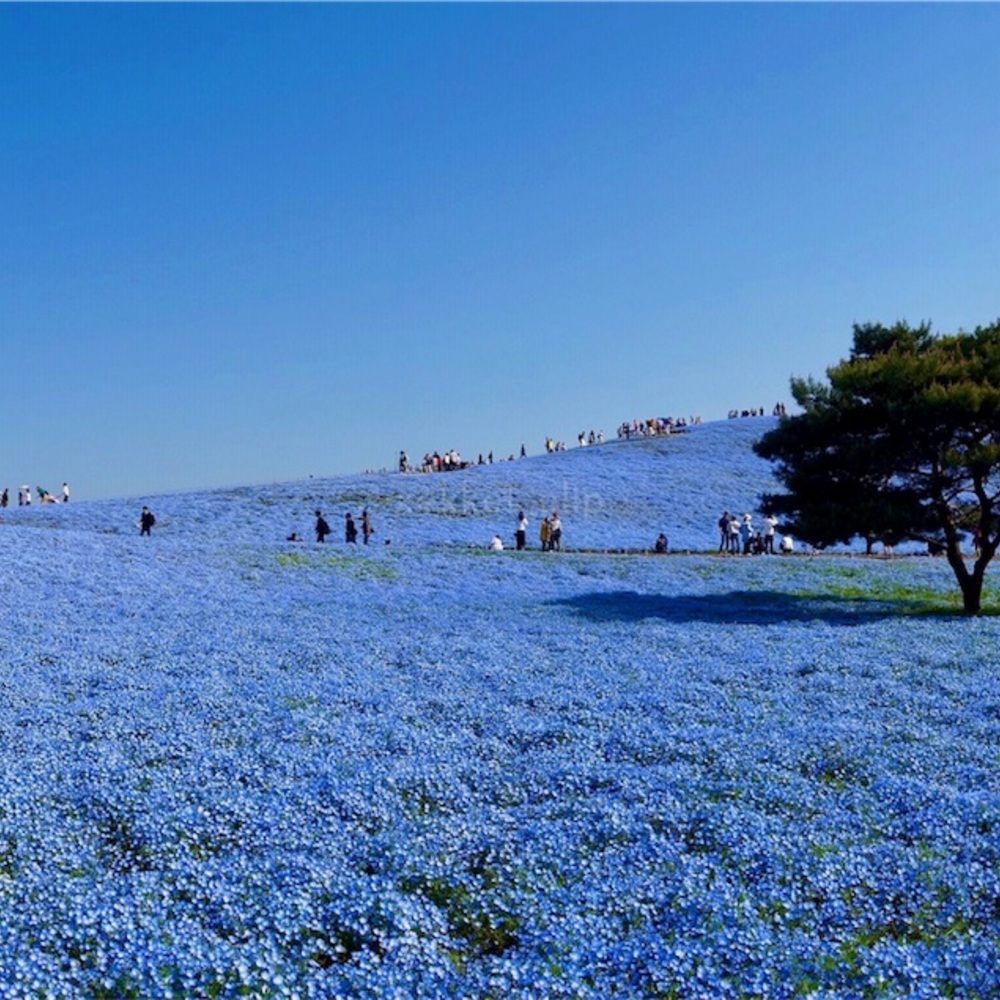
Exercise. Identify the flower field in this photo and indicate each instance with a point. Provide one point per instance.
(236, 766)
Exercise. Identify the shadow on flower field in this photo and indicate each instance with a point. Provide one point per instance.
(745, 607)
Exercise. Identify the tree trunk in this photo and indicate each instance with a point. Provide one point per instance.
(972, 591)
(971, 583)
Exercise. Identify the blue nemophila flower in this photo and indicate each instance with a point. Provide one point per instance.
(236, 766)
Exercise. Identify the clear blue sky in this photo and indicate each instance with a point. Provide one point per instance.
(243, 244)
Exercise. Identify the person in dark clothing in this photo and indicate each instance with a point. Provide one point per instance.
(724, 532)
(146, 522)
(366, 526)
(322, 528)
(350, 529)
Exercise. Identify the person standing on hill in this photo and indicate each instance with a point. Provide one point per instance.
(734, 534)
(544, 533)
(724, 531)
(772, 523)
(146, 522)
(366, 526)
(350, 530)
(521, 535)
(555, 532)
(322, 528)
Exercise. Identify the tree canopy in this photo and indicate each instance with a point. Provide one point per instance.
(902, 441)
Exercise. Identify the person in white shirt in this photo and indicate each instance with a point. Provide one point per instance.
(772, 522)
(734, 533)
(555, 532)
(521, 535)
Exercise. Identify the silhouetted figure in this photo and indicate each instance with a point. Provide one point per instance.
(322, 528)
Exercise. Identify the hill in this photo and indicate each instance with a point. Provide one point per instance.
(616, 495)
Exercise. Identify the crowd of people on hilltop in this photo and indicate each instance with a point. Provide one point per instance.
(24, 496)
(778, 410)
(738, 535)
(451, 460)
(448, 461)
(628, 429)
(655, 426)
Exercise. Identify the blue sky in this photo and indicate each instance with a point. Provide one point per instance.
(253, 243)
